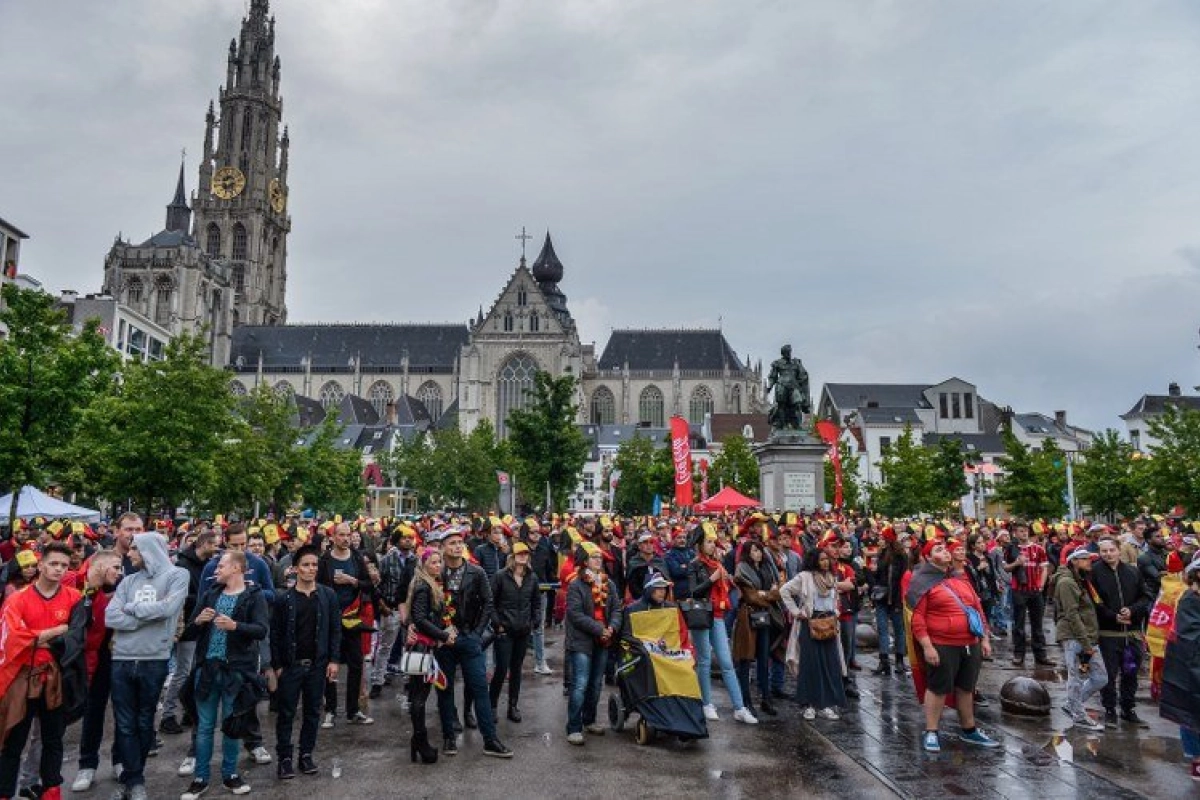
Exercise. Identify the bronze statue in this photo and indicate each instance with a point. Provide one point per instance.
(789, 379)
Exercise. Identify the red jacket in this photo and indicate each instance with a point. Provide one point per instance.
(940, 617)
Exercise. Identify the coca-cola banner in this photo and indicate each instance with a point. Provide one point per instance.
(681, 451)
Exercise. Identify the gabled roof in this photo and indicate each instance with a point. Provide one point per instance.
(309, 412)
(449, 417)
(725, 425)
(411, 411)
(431, 348)
(849, 396)
(662, 349)
(1157, 404)
(354, 410)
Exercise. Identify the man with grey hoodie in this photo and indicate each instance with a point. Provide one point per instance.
(144, 616)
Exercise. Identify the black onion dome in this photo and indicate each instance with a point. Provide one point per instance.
(547, 268)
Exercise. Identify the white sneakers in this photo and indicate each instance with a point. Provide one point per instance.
(187, 766)
(710, 712)
(743, 715)
(810, 713)
(83, 781)
(596, 729)
(261, 755)
(327, 720)
(575, 739)
(829, 713)
(543, 669)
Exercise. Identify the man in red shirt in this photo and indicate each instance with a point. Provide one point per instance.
(29, 673)
(952, 652)
(1029, 565)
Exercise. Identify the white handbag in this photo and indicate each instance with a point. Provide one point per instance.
(416, 662)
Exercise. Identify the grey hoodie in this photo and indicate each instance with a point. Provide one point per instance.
(145, 608)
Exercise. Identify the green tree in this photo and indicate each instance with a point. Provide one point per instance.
(48, 378)
(643, 471)
(547, 446)
(1034, 482)
(1173, 469)
(851, 483)
(257, 458)
(329, 477)
(907, 479)
(1105, 480)
(160, 435)
(949, 481)
(734, 466)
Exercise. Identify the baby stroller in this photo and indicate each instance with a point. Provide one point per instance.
(656, 677)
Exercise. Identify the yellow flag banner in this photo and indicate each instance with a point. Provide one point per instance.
(1162, 616)
(674, 667)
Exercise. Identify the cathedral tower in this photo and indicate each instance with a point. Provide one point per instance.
(241, 215)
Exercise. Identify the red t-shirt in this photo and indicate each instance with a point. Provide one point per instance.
(940, 617)
(30, 611)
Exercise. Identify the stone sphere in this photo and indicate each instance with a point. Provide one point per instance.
(866, 636)
(1025, 696)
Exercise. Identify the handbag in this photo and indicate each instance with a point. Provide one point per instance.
(416, 661)
(760, 619)
(974, 620)
(822, 625)
(697, 614)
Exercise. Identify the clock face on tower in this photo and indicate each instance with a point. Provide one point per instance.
(278, 195)
(228, 182)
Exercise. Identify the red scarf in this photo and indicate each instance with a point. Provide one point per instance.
(719, 595)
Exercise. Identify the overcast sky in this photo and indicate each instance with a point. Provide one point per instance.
(905, 191)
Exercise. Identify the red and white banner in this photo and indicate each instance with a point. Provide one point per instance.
(681, 452)
(829, 433)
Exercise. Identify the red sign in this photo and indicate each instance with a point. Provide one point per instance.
(829, 433)
(681, 452)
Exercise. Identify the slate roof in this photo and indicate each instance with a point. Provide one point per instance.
(355, 410)
(889, 416)
(849, 396)
(169, 239)
(1157, 404)
(309, 412)
(971, 442)
(431, 348)
(660, 349)
(725, 425)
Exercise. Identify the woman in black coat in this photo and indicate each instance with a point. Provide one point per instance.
(1179, 700)
(516, 614)
(427, 604)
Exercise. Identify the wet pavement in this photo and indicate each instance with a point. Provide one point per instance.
(872, 752)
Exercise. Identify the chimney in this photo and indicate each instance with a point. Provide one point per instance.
(391, 413)
(1060, 419)
(1006, 419)
(1173, 389)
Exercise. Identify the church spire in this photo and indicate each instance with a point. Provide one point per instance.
(179, 215)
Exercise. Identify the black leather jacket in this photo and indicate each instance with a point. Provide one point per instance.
(283, 628)
(425, 615)
(515, 608)
(699, 583)
(473, 603)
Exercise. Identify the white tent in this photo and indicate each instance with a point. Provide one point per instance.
(33, 503)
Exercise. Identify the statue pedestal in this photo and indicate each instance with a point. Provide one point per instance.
(791, 471)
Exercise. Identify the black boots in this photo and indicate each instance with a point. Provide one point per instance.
(885, 665)
(419, 746)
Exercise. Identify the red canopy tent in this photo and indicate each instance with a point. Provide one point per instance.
(726, 499)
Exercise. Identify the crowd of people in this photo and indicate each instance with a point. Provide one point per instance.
(204, 627)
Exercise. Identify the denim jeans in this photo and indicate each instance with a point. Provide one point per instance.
(385, 642)
(1002, 609)
(136, 686)
(1190, 740)
(465, 653)
(710, 642)
(539, 633)
(890, 624)
(210, 712)
(299, 684)
(849, 631)
(1080, 687)
(180, 672)
(588, 669)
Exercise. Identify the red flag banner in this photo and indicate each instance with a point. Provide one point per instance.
(829, 433)
(681, 452)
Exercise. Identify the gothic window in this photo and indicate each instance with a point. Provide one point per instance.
(284, 390)
(134, 291)
(238, 388)
(247, 129)
(212, 243)
(650, 407)
(700, 404)
(331, 394)
(270, 282)
(162, 301)
(522, 297)
(239, 278)
(513, 383)
(735, 400)
(239, 242)
(380, 395)
(535, 324)
(604, 407)
(508, 322)
(430, 395)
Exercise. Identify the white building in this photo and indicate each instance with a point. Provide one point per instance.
(1150, 407)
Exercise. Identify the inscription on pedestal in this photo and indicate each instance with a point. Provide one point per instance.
(799, 491)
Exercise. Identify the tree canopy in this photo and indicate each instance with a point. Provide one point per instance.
(547, 446)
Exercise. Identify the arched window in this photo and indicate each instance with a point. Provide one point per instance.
(604, 407)
(700, 404)
(430, 395)
(522, 297)
(380, 394)
(735, 400)
(212, 241)
(513, 382)
(162, 301)
(535, 322)
(238, 388)
(284, 390)
(239, 242)
(270, 283)
(134, 291)
(239, 279)
(247, 127)
(331, 394)
(650, 407)
(508, 322)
